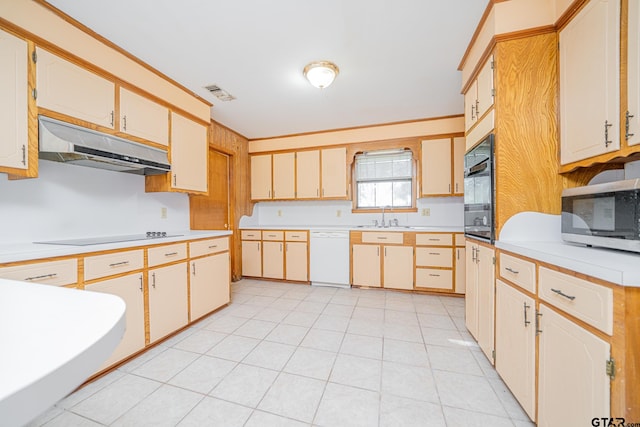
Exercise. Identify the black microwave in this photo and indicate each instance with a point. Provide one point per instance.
(606, 215)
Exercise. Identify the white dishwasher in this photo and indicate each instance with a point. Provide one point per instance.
(329, 258)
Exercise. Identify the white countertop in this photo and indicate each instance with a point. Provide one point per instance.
(14, 252)
(408, 228)
(53, 339)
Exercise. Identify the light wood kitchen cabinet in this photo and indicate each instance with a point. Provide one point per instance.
(14, 141)
(460, 271)
(109, 264)
(276, 254)
(208, 284)
(515, 344)
(632, 115)
(334, 173)
(189, 155)
(252, 258)
(398, 267)
(66, 88)
(308, 174)
(589, 47)
(261, 177)
(479, 97)
(168, 304)
(442, 167)
(479, 297)
(436, 262)
(366, 265)
(143, 118)
(130, 289)
(57, 273)
(284, 173)
(459, 149)
(297, 261)
(273, 260)
(573, 385)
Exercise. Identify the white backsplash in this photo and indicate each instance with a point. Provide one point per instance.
(444, 211)
(68, 201)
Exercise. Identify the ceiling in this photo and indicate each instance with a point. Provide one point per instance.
(398, 59)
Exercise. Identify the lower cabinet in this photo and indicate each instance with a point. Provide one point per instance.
(168, 305)
(273, 260)
(252, 258)
(480, 293)
(398, 267)
(296, 261)
(209, 284)
(366, 265)
(276, 254)
(460, 271)
(130, 289)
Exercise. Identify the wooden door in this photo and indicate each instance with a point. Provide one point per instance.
(334, 173)
(398, 267)
(297, 261)
(130, 289)
(486, 300)
(366, 265)
(141, 117)
(459, 148)
(515, 344)
(168, 304)
(485, 88)
(471, 294)
(633, 70)
(436, 167)
(460, 271)
(251, 258)
(66, 88)
(284, 176)
(470, 97)
(209, 284)
(211, 212)
(261, 177)
(14, 143)
(308, 174)
(573, 386)
(589, 82)
(189, 151)
(273, 260)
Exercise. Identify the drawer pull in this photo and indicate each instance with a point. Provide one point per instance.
(434, 240)
(44, 276)
(213, 246)
(434, 275)
(171, 254)
(382, 238)
(434, 253)
(562, 294)
(526, 321)
(271, 235)
(117, 264)
(511, 270)
(294, 236)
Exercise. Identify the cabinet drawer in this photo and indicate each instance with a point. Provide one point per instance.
(251, 235)
(587, 301)
(58, 273)
(164, 254)
(110, 264)
(434, 239)
(210, 246)
(434, 257)
(273, 235)
(518, 271)
(460, 240)
(433, 278)
(378, 237)
(296, 236)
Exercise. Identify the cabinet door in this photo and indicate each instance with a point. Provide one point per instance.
(366, 265)
(251, 258)
(209, 284)
(459, 148)
(261, 177)
(297, 261)
(66, 88)
(485, 88)
(515, 344)
(486, 300)
(284, 183)
(308, 174)
(189, 151)
(589, 82)
(436, 167)
(130, 289)
(633, 69)
(398, 267)
(168, 305)
(573, 386)
(273, 260)
(143, 118)
(334, 173)
(470, 97)
(14, 143)
(471, 294)
(460, 271)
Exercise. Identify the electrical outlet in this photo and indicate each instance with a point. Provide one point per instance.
(426, 212)
(279, 212)
(338, 213)
(163, 213)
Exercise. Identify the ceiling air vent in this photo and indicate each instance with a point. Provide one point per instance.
(220, 93)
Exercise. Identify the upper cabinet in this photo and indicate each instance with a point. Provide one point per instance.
(189, 155)
(632, 114)
(479, 97)
(284, 176)
(442, 167)
(14, 144)
(143, 118)
(308, 174)
(261, 177)
(589, 82)
(334, 173)
(68, 89)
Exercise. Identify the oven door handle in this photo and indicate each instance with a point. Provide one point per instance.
(479, 168)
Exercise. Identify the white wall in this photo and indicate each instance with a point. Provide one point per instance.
(444, 211)
(68, 201)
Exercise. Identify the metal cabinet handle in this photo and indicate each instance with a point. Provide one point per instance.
(562, 294)
(456, 187)
(434, 275)
(434, 240)
(457, 253)
(385, 251)
(477, 109)
(213, 246)
(280, 247)
(124, 122)
(171, 254)
(112, 117)
(511, 270)
(44, 276)
(141, 283)
(382, 238)
(538, 316)
(174, 180)
(434, 253)
(607, 125)
(117, 264)
(24, 154)
(627, 116)
(472, 114)
(193, 268)
(526, 321)
(153, 280)
(378, 250)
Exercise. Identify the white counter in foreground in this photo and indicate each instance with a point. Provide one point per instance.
(52, 339)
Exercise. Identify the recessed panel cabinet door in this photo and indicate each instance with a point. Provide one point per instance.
(471, 294)
(334, 173)
(260, 177)
(308, 174)
(460, 271)
(297, 261)
(485, 88)
(209, 284)
(470, 97)
(14, 146)
(143, 118)
(189, 151)
(168, 306)
(486, 300)
(273, 260)
(633, 69)
(459, 147)
(398, 267)
(366, 265)
(66, 88)
(436, 167)
(252, 258)
(284, 182)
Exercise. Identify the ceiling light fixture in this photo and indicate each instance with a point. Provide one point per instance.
(321, 73)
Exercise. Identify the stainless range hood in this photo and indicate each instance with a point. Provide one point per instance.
(67, 143)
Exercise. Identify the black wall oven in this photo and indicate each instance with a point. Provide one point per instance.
(479, 191)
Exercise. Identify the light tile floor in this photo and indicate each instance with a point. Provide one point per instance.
(296, 355)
